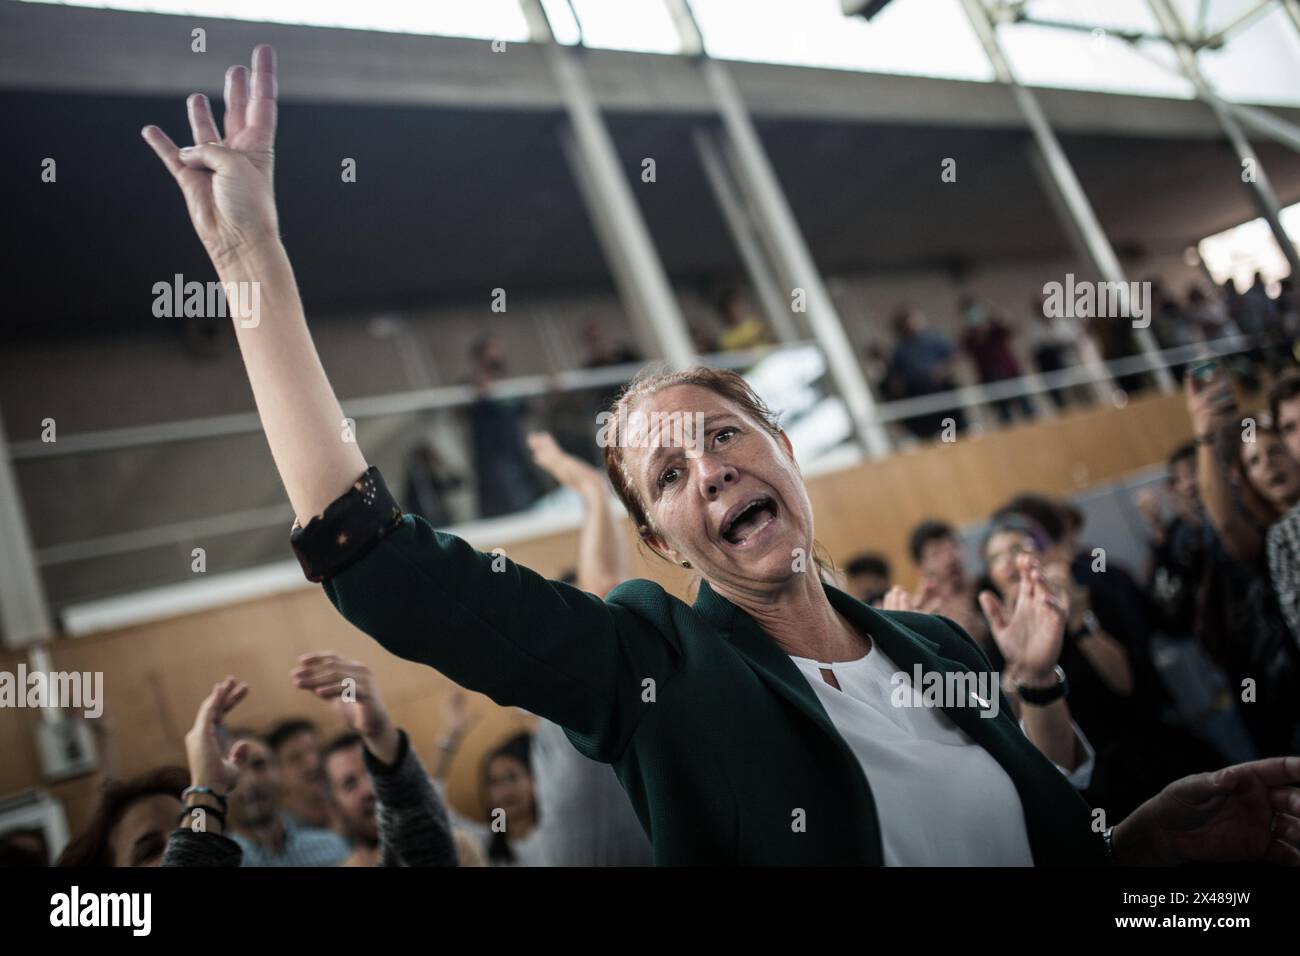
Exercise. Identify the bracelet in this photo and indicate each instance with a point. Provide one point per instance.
(206, 791)
(1041, 696)
(1088, 628)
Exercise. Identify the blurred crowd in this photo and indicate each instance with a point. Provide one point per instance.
(1189, 662)
(922, 361)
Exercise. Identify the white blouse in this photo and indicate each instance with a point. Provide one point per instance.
(941, 798)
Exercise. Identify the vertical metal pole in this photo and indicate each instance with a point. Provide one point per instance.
(1171, 25)
(24, 612)
(776, 222)
(777, 218)
(646, 281)
(780, 276)
(1100, 384)
(619, 268)
(1292, 8)
(774, 304)
(1067, 183)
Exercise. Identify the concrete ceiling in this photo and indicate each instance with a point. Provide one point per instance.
(455, 202)
(452, 200)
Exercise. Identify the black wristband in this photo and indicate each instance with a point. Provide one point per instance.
(1042, 696)
(351, 525)
(205, 792)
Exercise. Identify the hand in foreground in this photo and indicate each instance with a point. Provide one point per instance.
(1030, 637)
(227, 184)
(928, 599)
(1249, 812)
(352, 691)
(212, 765)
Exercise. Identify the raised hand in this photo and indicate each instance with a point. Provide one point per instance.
(227, 184)
(1210, 406)
(352, 691)
(930, 597)
(455, 714)
(1031, 635)
(1249, 812)
(211, 764)
(568, 470)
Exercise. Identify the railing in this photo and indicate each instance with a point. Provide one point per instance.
(395, 403)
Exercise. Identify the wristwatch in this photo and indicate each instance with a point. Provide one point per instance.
(1088, 628)
(1041, 696)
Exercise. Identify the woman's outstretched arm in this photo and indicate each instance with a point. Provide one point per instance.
(487, 623)
(227, 185)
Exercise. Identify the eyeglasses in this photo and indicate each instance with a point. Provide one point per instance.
(1009, 555)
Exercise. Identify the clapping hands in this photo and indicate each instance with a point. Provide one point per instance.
(1031, 634)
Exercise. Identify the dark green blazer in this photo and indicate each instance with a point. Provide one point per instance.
(716, 736)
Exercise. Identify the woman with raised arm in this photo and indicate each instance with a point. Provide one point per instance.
(758, 725)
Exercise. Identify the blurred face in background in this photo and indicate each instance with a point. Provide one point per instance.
(303, 778)
(1270, 470)
(1071, 538)
(353, 795)
(256, 800)
(913, 322)
(974, 314)
(734, 310)
(868, 587)
(1288, 425)
(1000, 557)
(508, 786)
(492, 357)
(140, 835)
(943, 563)
(1184, 493)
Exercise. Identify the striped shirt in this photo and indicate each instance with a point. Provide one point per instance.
(1284, 567)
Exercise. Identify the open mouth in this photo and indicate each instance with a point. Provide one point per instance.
(744, 521)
